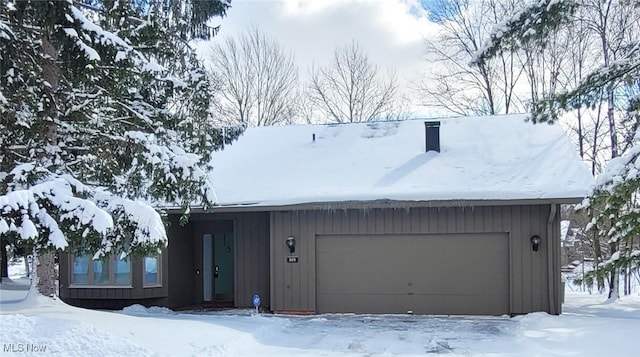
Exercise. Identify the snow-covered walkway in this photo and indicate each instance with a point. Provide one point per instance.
(14, 290)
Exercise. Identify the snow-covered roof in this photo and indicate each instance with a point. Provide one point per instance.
(481, 158)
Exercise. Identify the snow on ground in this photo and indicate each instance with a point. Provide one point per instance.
(587, 327)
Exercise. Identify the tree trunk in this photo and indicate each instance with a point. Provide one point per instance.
(597, 252)
(46, 273)
(628, 272)
(614, 282)
(625, 289)
(580, 134)
(4, 262)
(597, 256)
(27, 265)
(45, 261)
(613, 136)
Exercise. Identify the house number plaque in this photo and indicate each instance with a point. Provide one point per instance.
(292, 259)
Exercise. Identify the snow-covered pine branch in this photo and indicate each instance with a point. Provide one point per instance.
(60, 211)
(534, 22)
(588, 92)
(615, 199)
(614, 204)
(105, 119)
(36, 212)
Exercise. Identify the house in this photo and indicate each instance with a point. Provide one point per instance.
(450, 216)
(572, 243)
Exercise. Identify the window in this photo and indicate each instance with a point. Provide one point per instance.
(111, 271)
(101, 272)
(80, 270)
(151, 271)
(122, 271)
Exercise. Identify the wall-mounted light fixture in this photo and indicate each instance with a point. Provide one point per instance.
(291, 243)
(535, 242)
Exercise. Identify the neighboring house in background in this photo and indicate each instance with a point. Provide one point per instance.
(571, 244)
(567, 237)
(364, 218)
(567, 244)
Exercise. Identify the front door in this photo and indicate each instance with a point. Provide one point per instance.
(217, 269)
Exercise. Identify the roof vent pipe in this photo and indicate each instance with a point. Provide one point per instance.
(432, 135)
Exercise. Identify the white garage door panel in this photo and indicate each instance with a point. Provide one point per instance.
(428, 274)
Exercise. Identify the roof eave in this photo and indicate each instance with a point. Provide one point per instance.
(396, 204)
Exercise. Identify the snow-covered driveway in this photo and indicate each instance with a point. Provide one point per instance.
(396, 334)
(358, 334)
(586, 328)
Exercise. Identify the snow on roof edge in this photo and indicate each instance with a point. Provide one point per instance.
(492, 158)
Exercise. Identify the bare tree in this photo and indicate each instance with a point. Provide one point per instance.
(544, 61)
(614, 25)
(579, 57)
(449, 82)
(257, 78)
(350, 89)
(306, 111)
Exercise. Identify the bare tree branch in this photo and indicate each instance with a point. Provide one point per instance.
(351, 90)
(258, 80)
(453, 84)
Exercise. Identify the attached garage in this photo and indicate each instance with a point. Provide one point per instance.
(462, 260)
(423, 274)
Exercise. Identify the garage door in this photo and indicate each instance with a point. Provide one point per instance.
(449, 274)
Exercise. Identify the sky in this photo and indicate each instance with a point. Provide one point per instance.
(391, 32)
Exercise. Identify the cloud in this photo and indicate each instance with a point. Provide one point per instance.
(402, 22)
(391, 32)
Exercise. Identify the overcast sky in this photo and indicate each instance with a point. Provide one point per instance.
(391, 32)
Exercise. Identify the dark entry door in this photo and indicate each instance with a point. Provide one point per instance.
(217, 269)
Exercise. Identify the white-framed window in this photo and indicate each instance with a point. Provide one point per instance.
(110, 271)
(151, 271)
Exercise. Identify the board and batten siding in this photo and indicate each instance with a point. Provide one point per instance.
(251, 257)
(181, 263)
(181, 286)
(293, 287)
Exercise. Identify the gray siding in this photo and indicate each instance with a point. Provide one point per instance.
(252, 258)
(181, 263)
(181, 287)
(293, 285)
(251, 270)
